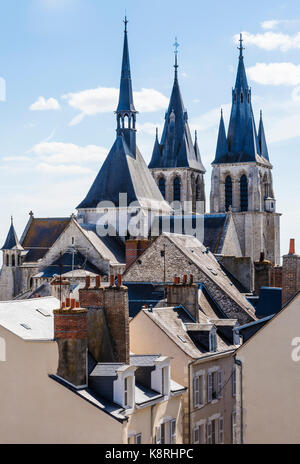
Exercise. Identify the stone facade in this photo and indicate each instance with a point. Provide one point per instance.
(258, 227)
(192, 192)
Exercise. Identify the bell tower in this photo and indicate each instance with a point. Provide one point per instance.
(242, 175)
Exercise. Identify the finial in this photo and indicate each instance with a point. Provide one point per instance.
(222, 112)
(241, 48)
(176, 47)
(125, 21)
(260, 114)
(31, 214)
(196, 135)
(12, 220)
(157, 133)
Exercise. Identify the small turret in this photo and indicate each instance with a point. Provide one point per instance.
(12, 248)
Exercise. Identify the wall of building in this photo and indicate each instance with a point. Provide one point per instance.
(36, 409)
(271, 381)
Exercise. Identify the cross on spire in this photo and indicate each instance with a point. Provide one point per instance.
(125, 21)
(176, 47)
(241, 48)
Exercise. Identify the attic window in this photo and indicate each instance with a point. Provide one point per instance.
(26, 326)
(182, 339)
(43, 312)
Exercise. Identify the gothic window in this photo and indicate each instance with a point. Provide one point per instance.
(162, 186)
(193, 184)
(7, 260)
(242, 98)
(177, 189)
(13, 261)
(228, 193)
(244, 193)
(198, 189)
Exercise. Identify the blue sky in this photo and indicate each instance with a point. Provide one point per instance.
(61, 62)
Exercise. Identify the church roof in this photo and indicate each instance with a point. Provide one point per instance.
(40, 235)
(124, 173)
(12, 241)
(176, 149)
(242, 143)
(262, 139)
(124, 170)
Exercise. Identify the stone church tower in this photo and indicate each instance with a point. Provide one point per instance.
(176, 162)
(242, 176)
(10, 278)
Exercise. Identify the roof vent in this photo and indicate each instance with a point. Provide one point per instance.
(43, 312)
(182, 339)
(26, 326)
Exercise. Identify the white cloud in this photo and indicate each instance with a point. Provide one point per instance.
(105, 99)
(64, 170)
(44, 105)
(271, 40)
(57, 152)
(275, 73)
(270, 24)
(21, 159)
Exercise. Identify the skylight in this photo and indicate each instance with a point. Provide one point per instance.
(43, 312)
(26, 326)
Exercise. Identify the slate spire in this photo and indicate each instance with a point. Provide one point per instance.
(12, 241)
(222, 146)
(176, 146)
(262, 139)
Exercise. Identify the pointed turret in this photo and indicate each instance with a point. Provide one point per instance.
(177, 148)
(262, 139)
(197, 152)
(12, 241)
(222, 146)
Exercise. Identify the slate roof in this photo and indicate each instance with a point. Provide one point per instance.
(40, 235)
(143, 360)
(122, 172)
(111, 248)
(242, 143)
(29, 313)
(176, 149)
(126, 96)
(12, 241)
(80, 263)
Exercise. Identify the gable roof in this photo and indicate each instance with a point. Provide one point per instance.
(12, 241)
(40, 234)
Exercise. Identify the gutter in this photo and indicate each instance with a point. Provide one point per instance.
(239, 363)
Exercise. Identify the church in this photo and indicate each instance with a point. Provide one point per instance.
(242, 223)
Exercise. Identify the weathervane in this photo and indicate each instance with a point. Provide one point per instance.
(176, 47)
(125, 21)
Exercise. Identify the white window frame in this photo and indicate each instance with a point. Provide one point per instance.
(219, 384)
(215, 418)
(199, 389)
(200, 433)
(214, 379)
(213, 342)
(221, 431)
(126, 392)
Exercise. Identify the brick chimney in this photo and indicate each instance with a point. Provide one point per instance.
(70, 332)
(134, 248)
(60, 289)
(108, 320)
(185, 294)
(262, 276)
(290, 274)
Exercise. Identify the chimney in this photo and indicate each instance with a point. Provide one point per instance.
(262, 276)
(185, 295)
(60, 289)
(134, 248)
(70, 333)
(290, 274)
(108, 321)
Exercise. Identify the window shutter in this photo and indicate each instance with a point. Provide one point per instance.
(219, 383)
(209, 433)
(173, 432)
(234, 440)
(157, 436)
(196, 391)
(221, 430)
(209, 379)
(196, 435)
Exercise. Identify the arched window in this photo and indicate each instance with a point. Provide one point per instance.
(242, 98)
(13, 261)
(7, 260)
(228, 193)
(177, 189)
(162, 186)
(198, 189)
(2, 350)
(244, 193)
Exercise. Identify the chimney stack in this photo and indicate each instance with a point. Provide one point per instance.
(134, 249)
(70, 333)
(185, 295)
(290, 274)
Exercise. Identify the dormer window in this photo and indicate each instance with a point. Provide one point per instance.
(213, 345)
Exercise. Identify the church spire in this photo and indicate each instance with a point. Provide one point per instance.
(262, 139)
(222, 146)
(126, 112)
(176, 47)
(12, 241)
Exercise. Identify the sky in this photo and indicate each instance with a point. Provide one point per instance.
(60, 66)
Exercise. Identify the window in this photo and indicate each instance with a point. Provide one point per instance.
(173, 432)
(234, 381)
(164, 381)
(234, 427)
(228, 193)
(13, 261)
(244, 193)
(177, 189)
(199, 434)
(213, 341)
(126, 392)
(160, 434)
(7, 260)
(73, 241)
(211, 432)
(214, 385)
(138, 439)
(162, 186)
(198, 390)
(221, 430)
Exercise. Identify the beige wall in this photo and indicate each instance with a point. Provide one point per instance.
(271, 380)
(36, 409)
